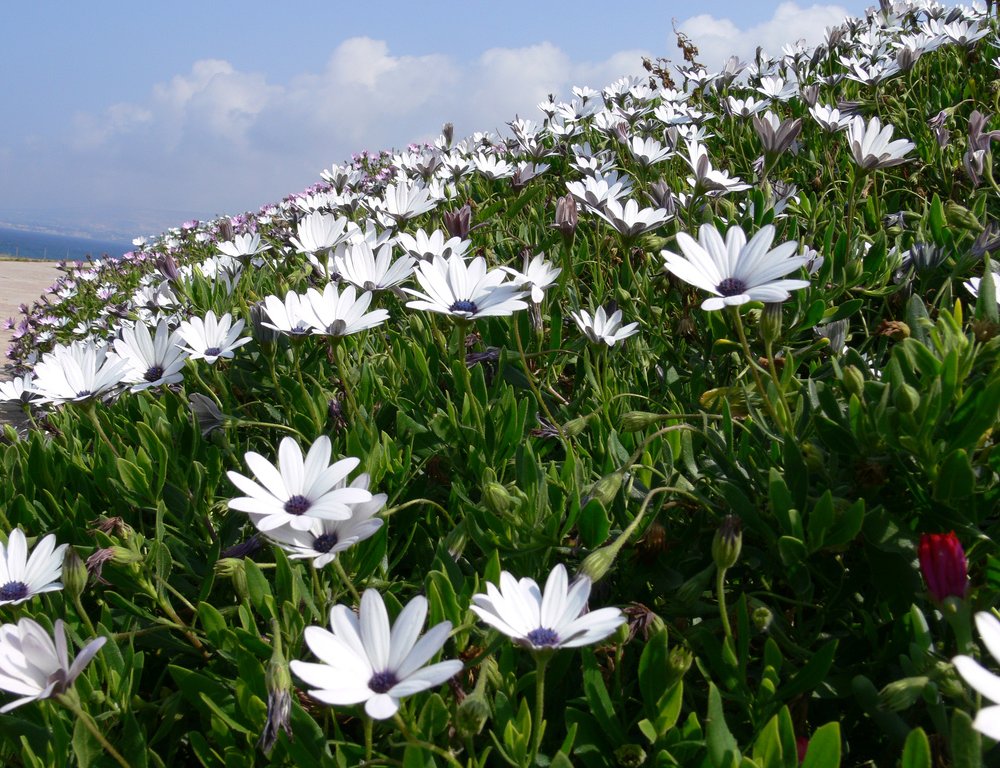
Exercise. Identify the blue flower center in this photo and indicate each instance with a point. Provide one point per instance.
(731, 286)
(325, 542)
(297, 505)
(543, 637)
(383, 681)
(84, 393)
(464, 305)
(14, 590)
(213, 352)
(154, 373)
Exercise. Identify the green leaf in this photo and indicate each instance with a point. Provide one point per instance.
(653, 670)
(916, 750)
(966, 743)
(600, 702)
(824, 747)
(594, 524)
(723, 751)
(811, 675)
(956, 480)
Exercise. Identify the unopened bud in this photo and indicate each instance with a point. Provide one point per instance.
(902, 694)
(762, 618)
(278, 681)
(234, 569)
(574, 427)
(727, 543)
(124, 556)
(636, 421)
(458, 223)
(596, 565)
(448, 133)
(630, 756)
(74, 573)
(567, 216)
(496, 498)
(906, 399)
(961, 217)
(605, 489)
(471, 715)
(854, 381)
(679, 661)
(770, 321)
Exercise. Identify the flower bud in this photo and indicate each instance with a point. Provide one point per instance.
(496, 498)
(762, 618)
(206, 413)
(596, 565)
(906, 399)
(635, 421)
(574, 427)
(606, 488)
(471, 715)
(854, 381)
(902, 694)
(679, 661)
(567, 216)
(233, 568)
(630, 756)
(278, 681)
(74, 573)
(458, 223)
(727, 543)
(770, 321)
(943, 565)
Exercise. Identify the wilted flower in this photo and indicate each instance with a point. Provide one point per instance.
(363, 659)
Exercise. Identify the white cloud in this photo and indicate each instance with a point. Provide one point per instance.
(718, 39)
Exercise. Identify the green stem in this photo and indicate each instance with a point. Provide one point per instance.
(753, 370)
(720, 590)
(92, 415)
(338, 566)
(412, 741)
(71, 702)
(538, 719)
(368, 737)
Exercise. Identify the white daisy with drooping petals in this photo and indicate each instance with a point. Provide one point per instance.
(466, 291)
(35, 665)
(602, 328)
(341, 314)
(734, 270)
(555, 619)
(297, 490)
(871, 145)
(364, 659)
(210, 338)
(23, 577)
(981, 679)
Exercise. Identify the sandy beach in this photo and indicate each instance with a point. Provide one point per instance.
(21, 282)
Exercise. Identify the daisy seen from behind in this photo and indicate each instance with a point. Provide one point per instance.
(734, 270)
(23, 577)
(299, 489)
(364, 659)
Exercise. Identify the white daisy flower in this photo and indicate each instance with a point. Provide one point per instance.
(20, 390)
(211, 338)
(78, 372)
(341, 314)
(359, 265)
(982, 680)
(871, 145)
(242, 246)
(538, 275)
(324, 539)
(35, 665)
(629, 219)
(291, 316)
(363, 659)
(734, 270)
(467, 291)
(971, 285)
(540, 621)
(320, 232)
(151, 361)
(297, 490)
(23, 577)
(422, 246)
(601, 328)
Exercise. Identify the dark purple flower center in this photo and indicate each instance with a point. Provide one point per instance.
(213, 352)
(543, 637)
(464, 305)
(154, 373)
(14, 590)
(383, 681)
(84, 393)
(297, 505)
(731, 286)
(325, 542)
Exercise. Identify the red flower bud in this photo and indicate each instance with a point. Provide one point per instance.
(943, 564)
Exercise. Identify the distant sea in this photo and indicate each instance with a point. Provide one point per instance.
(40, 245)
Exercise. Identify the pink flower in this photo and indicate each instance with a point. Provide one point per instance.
(943, 564)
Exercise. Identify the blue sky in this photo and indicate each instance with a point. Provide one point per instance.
(130, 117)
